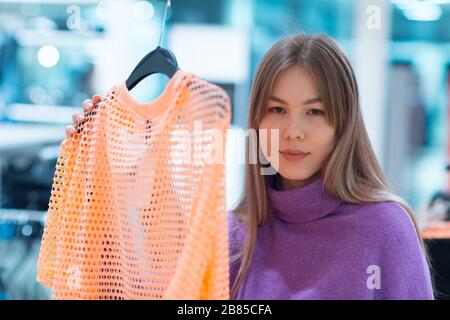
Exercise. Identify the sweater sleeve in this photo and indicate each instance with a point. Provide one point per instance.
(49, 244)
(404, 271)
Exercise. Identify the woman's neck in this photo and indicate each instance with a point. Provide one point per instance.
(288, 184)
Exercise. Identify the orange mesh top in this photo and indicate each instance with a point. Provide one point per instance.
(137, 208)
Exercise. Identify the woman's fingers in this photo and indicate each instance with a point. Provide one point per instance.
(96, 99)
(87, 105)
(77, 118)
(70, 130)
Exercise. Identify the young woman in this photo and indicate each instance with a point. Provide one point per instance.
(325, 226)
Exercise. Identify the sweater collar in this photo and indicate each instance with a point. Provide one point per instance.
(300, 205)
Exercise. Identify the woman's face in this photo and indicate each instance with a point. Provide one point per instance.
(296, 110)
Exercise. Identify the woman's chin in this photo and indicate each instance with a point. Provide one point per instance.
(289, 175)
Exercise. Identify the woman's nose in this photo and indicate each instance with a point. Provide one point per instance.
(294, 131)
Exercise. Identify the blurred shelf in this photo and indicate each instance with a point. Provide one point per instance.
(59, 38)
(21, 215)
(41, 113)
(27, 137)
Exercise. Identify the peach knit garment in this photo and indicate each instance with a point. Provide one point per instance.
(137, 208)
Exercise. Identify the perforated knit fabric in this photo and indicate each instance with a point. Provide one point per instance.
(137, 208)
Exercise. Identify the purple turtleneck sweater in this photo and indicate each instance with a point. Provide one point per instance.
(315, 246)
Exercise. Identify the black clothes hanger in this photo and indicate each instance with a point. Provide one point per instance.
(160, 60)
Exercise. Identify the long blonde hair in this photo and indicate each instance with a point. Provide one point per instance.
(351, 172)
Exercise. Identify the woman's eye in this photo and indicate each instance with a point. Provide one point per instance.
(276, 110)
(316, 112)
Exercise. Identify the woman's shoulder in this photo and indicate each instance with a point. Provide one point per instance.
(388, 230)
(384, 212)
(385, 221)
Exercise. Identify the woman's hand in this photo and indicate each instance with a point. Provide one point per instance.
(77, 118)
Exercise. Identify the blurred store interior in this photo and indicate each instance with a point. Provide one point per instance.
(54, 54)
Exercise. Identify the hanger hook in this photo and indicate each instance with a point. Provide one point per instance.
(163, 25)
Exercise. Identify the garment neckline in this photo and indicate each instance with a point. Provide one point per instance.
(156, 107)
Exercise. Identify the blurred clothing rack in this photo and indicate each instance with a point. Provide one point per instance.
(20, 237)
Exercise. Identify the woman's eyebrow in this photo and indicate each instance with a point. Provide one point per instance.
(276, 99)
(312, 100)
(307, 101)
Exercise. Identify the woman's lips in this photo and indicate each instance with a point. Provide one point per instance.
(296, 156)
